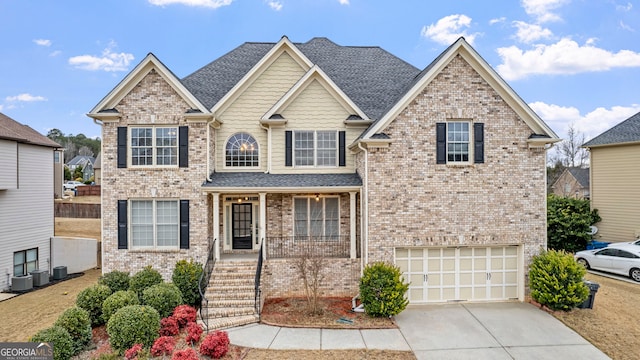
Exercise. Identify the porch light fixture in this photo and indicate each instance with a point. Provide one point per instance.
(239, 200)
(317, 197)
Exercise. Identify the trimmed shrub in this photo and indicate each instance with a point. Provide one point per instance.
(169, 326)
(382, 290)
(186, 275)
(568, 222)
(91, 299)
(115, 280)
(185, 314)
(215, 344)
(116, 301)
(163, 297)
(163, 346)
(186, 354)
(132, 353)
(133, 324)
(59, 336)
(78, 324)
(144, 279)
(555, 280)
(194, 333)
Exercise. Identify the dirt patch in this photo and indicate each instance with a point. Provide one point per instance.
(75, 227)
(335, 313)
(70, 198)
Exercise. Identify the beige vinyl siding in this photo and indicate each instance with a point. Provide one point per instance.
(8, 164)
(245, 112)
(615, 191)
(315, 108)
(26, 213)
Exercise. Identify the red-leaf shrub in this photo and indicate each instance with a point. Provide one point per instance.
(163, 346)
(215, 345)
(169, 326)
(194, 332)
(186, 354)
(132, 353)
(184, 314)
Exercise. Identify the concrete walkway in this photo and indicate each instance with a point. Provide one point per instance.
(452, 331)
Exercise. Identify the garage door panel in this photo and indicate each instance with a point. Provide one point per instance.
(448, 264)
(417, 265)
(466, 264)
(403, 265)
(511, 292)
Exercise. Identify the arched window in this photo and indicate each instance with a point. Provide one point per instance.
(241, 151)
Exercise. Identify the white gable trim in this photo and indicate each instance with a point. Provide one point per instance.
(135, 76)
(315, 73)
(462, 48)
(284, 45)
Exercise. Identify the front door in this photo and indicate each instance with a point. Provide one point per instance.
(241, 218)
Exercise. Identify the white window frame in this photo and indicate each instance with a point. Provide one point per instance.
(154, 225)
(315, 148)
(468, 142)
(25, 264)
(154, 146)
(310, 200)
(226, 144)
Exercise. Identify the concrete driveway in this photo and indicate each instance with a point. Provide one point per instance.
(495, 331)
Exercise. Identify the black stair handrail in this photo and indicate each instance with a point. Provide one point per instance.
(257, 279)
(203, 282)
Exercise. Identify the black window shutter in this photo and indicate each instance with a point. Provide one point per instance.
(288, 148)
(184, 224)
(122, 147)
(122, 224)
(342, 156)
(183, 146)
(441, 140)
(478, 143)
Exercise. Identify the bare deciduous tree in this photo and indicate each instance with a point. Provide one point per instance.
(570, 151)
(311, 271)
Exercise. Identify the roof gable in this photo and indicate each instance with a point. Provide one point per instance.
(13, 130)
(627, 131)
(462, 48)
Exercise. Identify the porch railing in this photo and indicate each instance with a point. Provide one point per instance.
(203, 282)
(257, 280)
(279, 247)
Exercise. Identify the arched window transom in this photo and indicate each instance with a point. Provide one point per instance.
(242, 151)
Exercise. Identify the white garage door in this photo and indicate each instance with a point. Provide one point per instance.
(460, 274)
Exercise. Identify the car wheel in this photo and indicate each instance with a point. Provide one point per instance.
(584, 263)
(635, 274)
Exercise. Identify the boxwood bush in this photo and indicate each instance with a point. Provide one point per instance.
(163, 297)
(143, 279)
(555, 280)
(382, 290)
(186, 275)
(60, 338)
(133, 324)
(91, 299)
(116, 301)
(78, 324)
(115, 280)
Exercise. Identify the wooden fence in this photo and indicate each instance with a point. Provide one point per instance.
(72, 210)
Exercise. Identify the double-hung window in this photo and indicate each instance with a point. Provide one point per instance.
(459, 142)
(154, 146)
(315, 148)
(316, 217)
(25, 262)
(155, 223)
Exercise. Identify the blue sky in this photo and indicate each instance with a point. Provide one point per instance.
(573, 61)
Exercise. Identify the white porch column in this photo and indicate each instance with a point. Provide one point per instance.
(216, 224)
(352, 223)
(263, 223)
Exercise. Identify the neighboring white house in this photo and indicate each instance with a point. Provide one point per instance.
(26, 199)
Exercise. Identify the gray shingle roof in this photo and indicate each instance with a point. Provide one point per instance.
(626, 131)
(581, 175)
(370, 76)
(263, 180)
(13, 130)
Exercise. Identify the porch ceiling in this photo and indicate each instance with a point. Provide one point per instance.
(259, 181)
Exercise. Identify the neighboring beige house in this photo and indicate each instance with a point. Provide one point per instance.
(97, 170)
(573, 182)
(26, 199)
(615, 180)
(345, 153)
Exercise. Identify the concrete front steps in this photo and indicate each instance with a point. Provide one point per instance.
(231, 294)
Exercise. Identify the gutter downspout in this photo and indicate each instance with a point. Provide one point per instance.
(102, 252)
(365, 205)
(208, 167)
(268, 147)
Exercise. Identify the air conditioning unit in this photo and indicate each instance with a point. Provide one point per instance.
(59, 272)
(40, 277)
(22, 283)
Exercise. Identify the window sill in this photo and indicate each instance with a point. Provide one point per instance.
(460, 165)
(154, 250)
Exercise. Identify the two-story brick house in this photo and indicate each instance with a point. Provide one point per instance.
(348, 153)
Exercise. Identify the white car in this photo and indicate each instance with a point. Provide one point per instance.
(71, 185)
(623, 244)
(621, 259)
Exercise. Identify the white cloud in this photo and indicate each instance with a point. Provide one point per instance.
(626, 27)
(449, 29)
(343, 2)
(55, 53)
(590, 124)
(497, 20)
(528, 33)
(627, 7)
(42, 42)
(1, 107)
(108, 61)
(275, 5)
(212, 4)
(25, 98)
(542, 10)
(564, 57)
